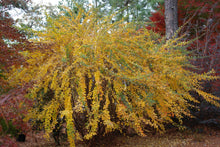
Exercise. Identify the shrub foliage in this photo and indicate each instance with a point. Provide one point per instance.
(104, 77)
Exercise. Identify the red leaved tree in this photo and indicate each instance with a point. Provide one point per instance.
(13, 104)
(11, 40)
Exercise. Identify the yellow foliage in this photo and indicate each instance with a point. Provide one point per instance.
(111, 74)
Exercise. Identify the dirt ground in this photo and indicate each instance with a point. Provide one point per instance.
(207, 138)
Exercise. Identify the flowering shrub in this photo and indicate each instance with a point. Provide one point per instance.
(103, 77)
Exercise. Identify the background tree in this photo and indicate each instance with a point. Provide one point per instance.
(13, 104)
(202, 19)
(204, 24)
(73, 5)
(133, 10)
(11, 39)
(35, 19)
(137, 10)
(171, 18)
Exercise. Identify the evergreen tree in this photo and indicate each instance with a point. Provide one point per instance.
(132, 10)
(73, 5)
(35, 19)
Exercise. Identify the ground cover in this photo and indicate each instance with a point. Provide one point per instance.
(198, 137)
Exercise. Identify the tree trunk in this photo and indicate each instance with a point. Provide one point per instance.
(171, 18)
